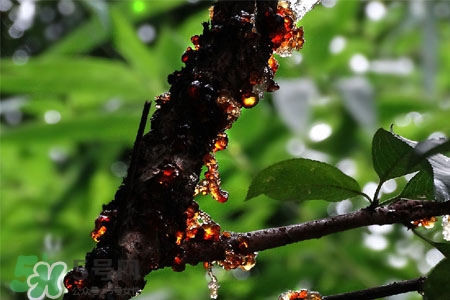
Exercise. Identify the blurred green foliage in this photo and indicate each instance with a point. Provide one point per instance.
(71, 102)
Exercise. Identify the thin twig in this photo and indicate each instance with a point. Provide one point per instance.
(395, 288)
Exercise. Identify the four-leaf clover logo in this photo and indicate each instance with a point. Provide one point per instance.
(46, 280)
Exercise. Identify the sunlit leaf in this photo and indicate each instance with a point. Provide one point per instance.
(303, 179)
(437, 282)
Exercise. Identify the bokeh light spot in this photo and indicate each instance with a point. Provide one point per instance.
(375, 10)
(52, 117)
(320, 132)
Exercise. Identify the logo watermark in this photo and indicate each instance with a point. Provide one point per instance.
(42, 278)
(45, 279)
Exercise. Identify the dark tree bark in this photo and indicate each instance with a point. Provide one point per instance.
(226, 70)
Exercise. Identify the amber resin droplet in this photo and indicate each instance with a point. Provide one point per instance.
(287, 37)
(211, 183)
(186, 54)
(194, 89)
(235, 260)
(249, 100)
(75, 279)
(202, 188)
(243, 242)
(97, 234)
(300, 295)
(178, 264)
(101, 224)
(179, 237)
(427, 223)
(211, 232)
(221, 142)
(226, 234)
(273, 64)
(167, 174)
(230, 106)
(195, 41)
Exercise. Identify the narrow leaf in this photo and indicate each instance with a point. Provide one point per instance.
(302, 179)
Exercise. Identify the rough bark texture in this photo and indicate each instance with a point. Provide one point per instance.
(228, 66)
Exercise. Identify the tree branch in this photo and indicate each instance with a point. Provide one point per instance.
(395, 288)
(227, 69)
(401, 212)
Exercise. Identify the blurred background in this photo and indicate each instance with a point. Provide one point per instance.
(75, 75)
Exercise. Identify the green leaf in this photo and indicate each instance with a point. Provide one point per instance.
(395, 156)
(66, 75)
(421, 186)
(436, 285)
(108, 127)
(390, 155)
(303, 179)
(427, 154)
